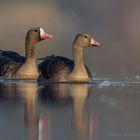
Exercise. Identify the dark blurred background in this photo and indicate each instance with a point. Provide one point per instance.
(114, 23)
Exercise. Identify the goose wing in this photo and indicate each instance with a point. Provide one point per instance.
(12, 55)
(69, 63)
(55, 67)
(7, 66)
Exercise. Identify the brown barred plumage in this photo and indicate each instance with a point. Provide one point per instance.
(57, 68)
(53, 67)
(7, 67)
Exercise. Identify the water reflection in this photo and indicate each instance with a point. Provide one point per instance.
(76, 95)
(39, 119)
(27, 93)
(31, 111)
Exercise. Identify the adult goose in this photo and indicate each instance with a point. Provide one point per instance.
(15, 66)
(58, 68)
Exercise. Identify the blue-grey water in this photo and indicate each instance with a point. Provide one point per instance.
(102, 110)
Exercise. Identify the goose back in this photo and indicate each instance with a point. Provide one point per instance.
(57, 68)
(13, 55)
(7, 67)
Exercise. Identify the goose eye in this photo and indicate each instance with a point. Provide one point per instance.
(85, 36)
(35, 30)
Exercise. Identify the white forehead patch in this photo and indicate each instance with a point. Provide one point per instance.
(42, 32)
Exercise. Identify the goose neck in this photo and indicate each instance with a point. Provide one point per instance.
(78, 56)
(79, 71)
(29, 52)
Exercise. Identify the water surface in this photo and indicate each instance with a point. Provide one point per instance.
(102, 110)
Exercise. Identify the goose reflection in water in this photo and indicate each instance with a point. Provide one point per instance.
(33, 120)
(28, 92)
(75, 94)
(39, 123)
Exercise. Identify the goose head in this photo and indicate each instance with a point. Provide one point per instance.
(36, 34)
(85, 40)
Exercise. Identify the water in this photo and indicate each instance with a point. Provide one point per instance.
(102, 110)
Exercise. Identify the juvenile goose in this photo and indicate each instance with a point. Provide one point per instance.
(58, 68)
(15, 66)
